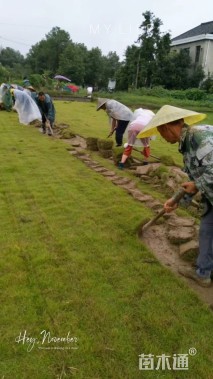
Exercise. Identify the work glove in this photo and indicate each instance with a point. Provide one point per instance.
(146, 151)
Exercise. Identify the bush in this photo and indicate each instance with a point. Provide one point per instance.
(37, 80)
(195, 94)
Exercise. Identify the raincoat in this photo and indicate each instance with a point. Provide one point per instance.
(26, 107)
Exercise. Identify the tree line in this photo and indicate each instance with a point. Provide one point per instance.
(149, 62)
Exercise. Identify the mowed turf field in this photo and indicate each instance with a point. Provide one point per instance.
(79, 297)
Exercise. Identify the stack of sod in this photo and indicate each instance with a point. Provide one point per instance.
(105, 147)
(92, 143)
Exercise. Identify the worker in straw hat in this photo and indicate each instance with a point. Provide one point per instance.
(119, 115)
(196, 145)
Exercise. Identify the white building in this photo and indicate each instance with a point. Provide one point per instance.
(199, 44)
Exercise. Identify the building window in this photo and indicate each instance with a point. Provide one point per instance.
(197, 55)
(186, 50)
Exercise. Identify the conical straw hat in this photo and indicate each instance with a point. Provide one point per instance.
(31, 88)
(168, 114)
(101, 102)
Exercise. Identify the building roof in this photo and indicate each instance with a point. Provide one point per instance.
(205, 28)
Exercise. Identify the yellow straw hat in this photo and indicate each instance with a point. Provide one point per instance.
(167, 114)
(101, 102)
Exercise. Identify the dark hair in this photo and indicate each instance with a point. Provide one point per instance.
(41, 93)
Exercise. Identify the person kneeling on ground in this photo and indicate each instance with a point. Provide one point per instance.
(141, 117)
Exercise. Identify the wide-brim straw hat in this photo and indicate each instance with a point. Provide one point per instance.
(101, 102)
(168, 114)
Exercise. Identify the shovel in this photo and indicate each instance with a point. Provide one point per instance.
(111, 133)
(48, 126)
(176, 198)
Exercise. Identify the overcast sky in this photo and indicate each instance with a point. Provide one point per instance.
(111, 25)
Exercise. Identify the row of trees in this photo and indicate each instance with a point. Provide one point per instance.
(148, 62)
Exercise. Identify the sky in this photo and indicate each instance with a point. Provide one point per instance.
(111, 25)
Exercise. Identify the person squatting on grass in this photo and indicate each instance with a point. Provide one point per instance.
(47, 109)
(196, 145)
(141, 117)
(119, 114)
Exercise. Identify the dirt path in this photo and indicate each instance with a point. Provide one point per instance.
(168, 255)
(156, 237)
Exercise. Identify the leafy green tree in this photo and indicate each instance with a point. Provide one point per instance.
(45, 55)
(207, 84)
(178, 76)
(196, 77)
(37, 56)
(143, 63)
(93, 67)
(109, 68)
(122, 78)
(4, 74)
(72, 62)
(152, 63)
(152, 47)
(10, 57)
(132, 70)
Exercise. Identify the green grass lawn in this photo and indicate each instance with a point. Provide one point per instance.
(71, 262)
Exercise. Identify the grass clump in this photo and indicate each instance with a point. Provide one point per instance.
(104, 144)
(167, 160)
(66, 134)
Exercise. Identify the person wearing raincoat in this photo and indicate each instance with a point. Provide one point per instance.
(25, 106)
(5, 97)
(141, 117)
(119, 114)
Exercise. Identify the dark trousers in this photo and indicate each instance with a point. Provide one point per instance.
(205, 257)
(119, 132)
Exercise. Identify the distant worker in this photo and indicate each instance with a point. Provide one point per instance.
(47, 110)
(119, 114)
(26, 82)
(32, 92)
(25, 106)
(89, 92)
(5, 97)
